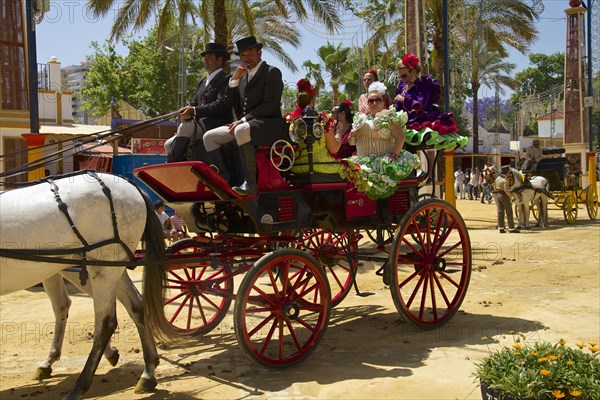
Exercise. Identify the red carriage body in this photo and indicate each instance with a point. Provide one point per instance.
(296, 242)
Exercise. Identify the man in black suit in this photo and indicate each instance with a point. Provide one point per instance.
(254, 92)
(207, 110)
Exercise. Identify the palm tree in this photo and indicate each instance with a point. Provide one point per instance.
(489, 27)
(270, 28)
(332, 60)
(488, 69)
(134, 14)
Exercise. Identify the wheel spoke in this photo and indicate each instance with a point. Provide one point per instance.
(433, 300)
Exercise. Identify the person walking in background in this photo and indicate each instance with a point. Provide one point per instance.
(466, 181)
(486, 194)
(459, 178)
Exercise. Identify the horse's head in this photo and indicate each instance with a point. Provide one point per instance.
(515, 178)
(491, 173)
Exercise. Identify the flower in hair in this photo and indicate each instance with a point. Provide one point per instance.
(410, 60)
(304, 85)
(348, 103)
(373, 71)
(377, 87)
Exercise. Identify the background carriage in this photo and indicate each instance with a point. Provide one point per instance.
(566, 189)
(296, 244)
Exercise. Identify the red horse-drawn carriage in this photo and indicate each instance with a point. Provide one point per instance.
(295, 246)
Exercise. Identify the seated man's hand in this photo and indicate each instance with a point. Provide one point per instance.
(186, 112)
(233, 125)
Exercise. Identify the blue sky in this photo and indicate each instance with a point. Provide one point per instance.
(68, 29)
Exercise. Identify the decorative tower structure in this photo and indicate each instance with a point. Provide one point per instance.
(576, 137)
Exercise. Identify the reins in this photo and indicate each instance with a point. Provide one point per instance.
(58, 155)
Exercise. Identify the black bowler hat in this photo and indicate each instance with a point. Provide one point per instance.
(215, 48)
(247, 43)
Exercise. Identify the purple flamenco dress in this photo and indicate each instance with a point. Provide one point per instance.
(437, 128)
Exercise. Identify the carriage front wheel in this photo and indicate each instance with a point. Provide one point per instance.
(430, 264)
(282, 308)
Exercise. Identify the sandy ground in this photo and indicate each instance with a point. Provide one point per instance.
(544, 283)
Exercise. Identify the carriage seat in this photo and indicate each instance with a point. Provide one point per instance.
(554, 164)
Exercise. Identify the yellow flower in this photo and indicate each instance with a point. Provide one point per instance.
(575, 393)
(580, 345)
(484, 338)
(544, 372)
(558, 394)
(534, 353)
(553, 358)
(511, 332)
(593, 344)
(562, 342)
(594, 349)
(570, 362)
(517, 346)
(542, 359)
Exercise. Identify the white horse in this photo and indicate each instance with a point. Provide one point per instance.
(526, 196)
(97, 221)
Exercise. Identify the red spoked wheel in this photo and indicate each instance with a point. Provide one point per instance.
(282, 308)
(430, 265)
(197, 296)
(334, 252)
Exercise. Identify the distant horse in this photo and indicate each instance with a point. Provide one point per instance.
(528, 193)
(94, 221)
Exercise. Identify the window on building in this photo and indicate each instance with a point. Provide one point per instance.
(12, 56)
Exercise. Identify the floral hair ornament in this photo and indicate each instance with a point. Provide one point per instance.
(373, 71)
(410, 60)
(377, 87)
(304, 85)
(348, 103)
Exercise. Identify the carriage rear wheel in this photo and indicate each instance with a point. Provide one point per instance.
(279, 322)
(570, 209)
(197, 296)
(591, 202)
(334, 252)
(430, 264)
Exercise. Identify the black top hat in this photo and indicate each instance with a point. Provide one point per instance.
(247, 43)
(215, 48)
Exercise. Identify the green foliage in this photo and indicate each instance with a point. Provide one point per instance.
(324, 101)
(147, 77)
(104, 81)
(546, 72)
(542, 371)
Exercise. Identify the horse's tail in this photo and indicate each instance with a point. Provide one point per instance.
(155, 274)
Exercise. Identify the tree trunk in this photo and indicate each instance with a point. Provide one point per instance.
(475, 86)
(335, 90)
(411, 22)
(220, 15)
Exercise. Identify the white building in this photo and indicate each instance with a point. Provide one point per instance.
(551, 125)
